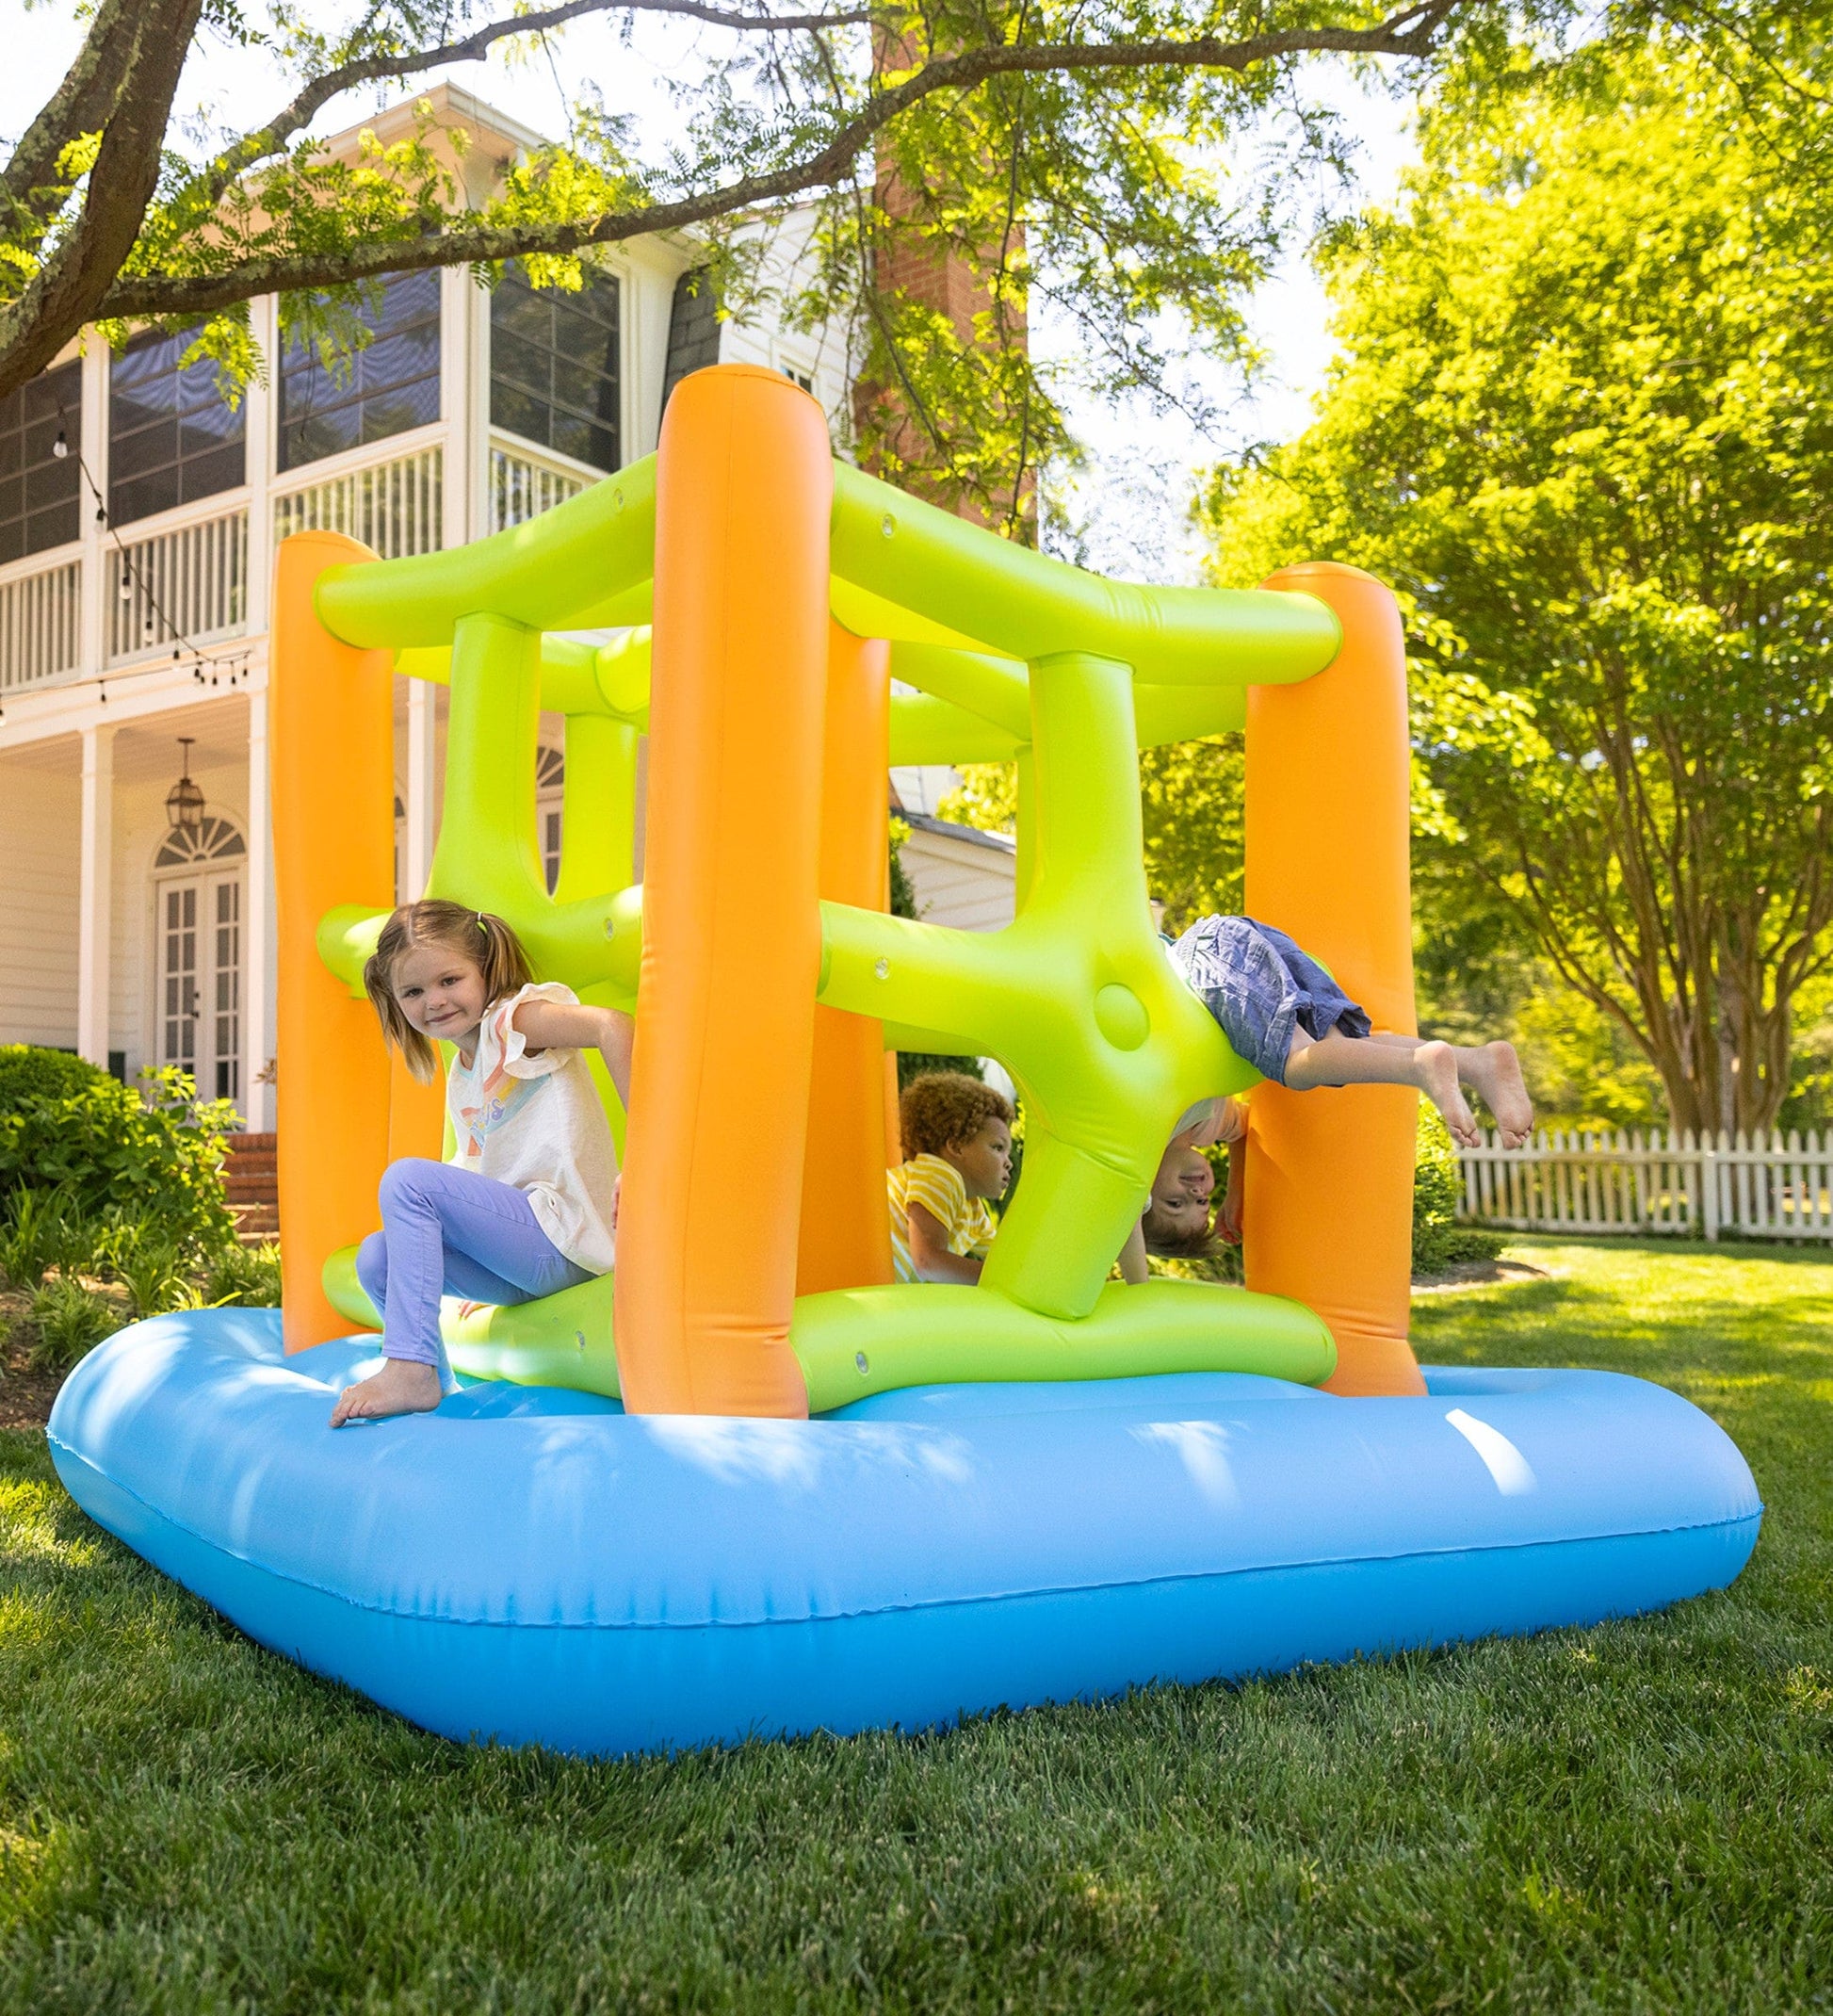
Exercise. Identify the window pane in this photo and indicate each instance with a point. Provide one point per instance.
(393, 384)
(327, 433)
(516, 308)
(155, 461)
(38, 493)
(143, 382)
(142, 496)
(50, 482)
(406, 297)
(57, 527)
(202, 476)
(581, 384)
(583, 440)
(145, 449)
(399, 360)
(517, 412)
(520, 363)
(198, 435)
(54, 394)
(394, 412)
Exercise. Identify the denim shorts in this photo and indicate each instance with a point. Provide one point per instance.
(1261, 988)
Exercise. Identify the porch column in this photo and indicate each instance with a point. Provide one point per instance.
(93, 909)
(417, 838)
(257, 926)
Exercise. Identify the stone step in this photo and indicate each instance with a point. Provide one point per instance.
(256, 1224)
(251, 1173)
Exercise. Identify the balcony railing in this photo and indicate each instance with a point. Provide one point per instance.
(41, 623)
(394, 508)
(188, 582)
(524, 483)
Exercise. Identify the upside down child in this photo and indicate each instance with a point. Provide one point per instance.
(1283, 1014)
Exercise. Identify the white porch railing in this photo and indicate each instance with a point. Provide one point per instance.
(189, 580)
(524, 483)
(1772, 1188)
(394, 508)
(40, 622)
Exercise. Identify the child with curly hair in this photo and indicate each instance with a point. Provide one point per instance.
(957, 1141)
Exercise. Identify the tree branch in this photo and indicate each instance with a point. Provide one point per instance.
(1408, 33)
(294, 118)
(31, 192)
(66, 290)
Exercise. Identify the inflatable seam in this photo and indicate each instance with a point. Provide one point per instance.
(892, 1609)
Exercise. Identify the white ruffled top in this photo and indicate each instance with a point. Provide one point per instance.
(533, 1120)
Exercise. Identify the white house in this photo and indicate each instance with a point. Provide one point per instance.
(138, 517)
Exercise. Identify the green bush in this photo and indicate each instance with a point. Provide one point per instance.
(246, 1277)
(27, 1072)
(157, 1271)
(114, 1153)
(41, 1230)
(1438, 1240)
(70, 1321)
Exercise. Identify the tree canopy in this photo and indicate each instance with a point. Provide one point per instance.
(1128, 158)
(1579, 419)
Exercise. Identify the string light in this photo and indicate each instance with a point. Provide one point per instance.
(60, 446)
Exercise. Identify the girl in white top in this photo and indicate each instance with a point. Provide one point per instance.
(527, 1204)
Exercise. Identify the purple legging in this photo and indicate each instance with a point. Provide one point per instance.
(451, 1231)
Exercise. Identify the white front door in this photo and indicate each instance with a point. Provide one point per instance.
(200, 980)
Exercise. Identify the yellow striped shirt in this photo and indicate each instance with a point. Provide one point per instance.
(936, 1185)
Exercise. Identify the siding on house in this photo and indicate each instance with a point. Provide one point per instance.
(41, 818)
(960, 876)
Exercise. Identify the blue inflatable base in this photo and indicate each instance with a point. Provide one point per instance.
(533, 1566)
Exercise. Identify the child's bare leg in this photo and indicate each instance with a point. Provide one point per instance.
(1341, 1060)
(403, 1386)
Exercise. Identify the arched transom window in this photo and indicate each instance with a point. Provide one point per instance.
(214, 839)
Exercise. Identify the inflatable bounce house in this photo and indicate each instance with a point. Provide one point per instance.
(750, 1483)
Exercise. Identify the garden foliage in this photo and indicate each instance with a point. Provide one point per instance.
(107, 1151)
(1577, 419)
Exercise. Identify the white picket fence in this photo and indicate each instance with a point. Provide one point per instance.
(1779, 1187)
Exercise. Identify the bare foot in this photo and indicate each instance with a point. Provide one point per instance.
(1495, 1072)
(1436, 1065)
(401, 1387)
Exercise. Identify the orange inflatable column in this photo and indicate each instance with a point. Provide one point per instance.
(845, 1236)
(731, 954)
(417, 1113)
(331, 714)
(1330, 1173)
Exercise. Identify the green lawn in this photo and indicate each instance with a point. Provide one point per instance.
(1638, 1817)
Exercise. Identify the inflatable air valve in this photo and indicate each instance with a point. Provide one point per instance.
(332, 742)
(1330, 1173)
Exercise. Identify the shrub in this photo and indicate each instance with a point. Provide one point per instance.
(245, 1277)
(158, 1159)
(70, 1321)
(42, 1229)
(27, 1072)
(1438, 1240)
(156, 1270)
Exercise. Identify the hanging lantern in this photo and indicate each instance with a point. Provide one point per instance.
(185, 801)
